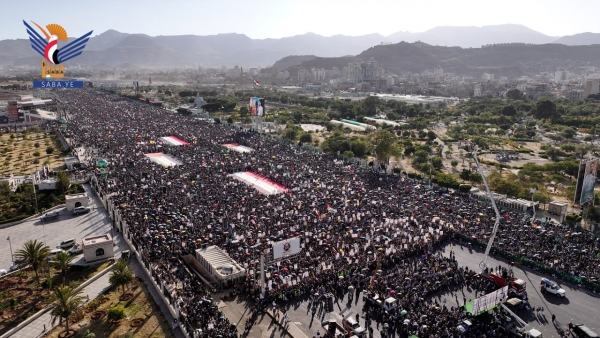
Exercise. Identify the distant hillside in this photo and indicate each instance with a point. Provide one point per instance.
(580, 39)
(292, 60)
(475, 37)
(502, 59)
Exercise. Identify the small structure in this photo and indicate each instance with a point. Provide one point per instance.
(76, 200)
(70, 162)
(558, 208)
(219, 265)
(47, 185)
(97, 248)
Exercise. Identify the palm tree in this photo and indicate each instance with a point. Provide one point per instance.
(65, 302)
(62, 261)
(89, 334)
(33, 253)
(121, 275)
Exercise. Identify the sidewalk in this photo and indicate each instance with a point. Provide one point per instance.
(36, 327)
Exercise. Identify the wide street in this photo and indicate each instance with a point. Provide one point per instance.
(66, 226)
(577, 307)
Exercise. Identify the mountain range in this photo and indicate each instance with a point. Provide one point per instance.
(116, 49)
(510, 60)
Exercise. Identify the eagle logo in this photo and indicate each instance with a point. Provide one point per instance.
(48, 47)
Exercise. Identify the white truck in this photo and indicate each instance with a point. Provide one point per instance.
(553, 288)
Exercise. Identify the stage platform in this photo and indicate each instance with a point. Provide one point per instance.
(238, 148)
(259, 182)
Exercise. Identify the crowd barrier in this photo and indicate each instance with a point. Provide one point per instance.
(519, 260)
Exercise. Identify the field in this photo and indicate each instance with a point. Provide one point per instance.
(24, 152)
(21, 297)
(142, 317)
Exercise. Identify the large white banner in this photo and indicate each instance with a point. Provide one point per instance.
(489, 301)
(286, 247)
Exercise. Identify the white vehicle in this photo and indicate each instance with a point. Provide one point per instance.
(3, 272)
(390, 304)
(351, 325)
(553, 288)
(81, 210)
(53, 253)
(76, 249)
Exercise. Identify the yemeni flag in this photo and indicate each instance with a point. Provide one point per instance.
(256, 82)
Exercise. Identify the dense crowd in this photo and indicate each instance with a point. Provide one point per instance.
(354, 224)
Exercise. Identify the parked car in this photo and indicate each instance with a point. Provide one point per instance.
(67, 243)
(81, 210)
(50, 215)
(54, 252)
(582, 331)
(3, 272)
(76, 249)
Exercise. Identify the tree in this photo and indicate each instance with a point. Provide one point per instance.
(370, 105)
(514, 94)
(545, 109)
(49, 150)
(89, 334)
(306, 138)
(62, 182)
(62, 261)
(509, 111)
(454, 163)
(464, 175)
(5, 190)
(385, 144)
(568, 133)
(33, 253)
(121, 275)
(65, 303)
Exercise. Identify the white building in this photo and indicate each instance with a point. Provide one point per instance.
(218, 264)
(47, 185)
(76, 200)
(97, 248)
(592, 87)
(304, 75)
(487, 77)
(561, 75)
(477, 90)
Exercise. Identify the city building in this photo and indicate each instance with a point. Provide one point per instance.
(15, 181)
(592, 87)
(487, 77)
(477, 90)
(98, 248)
(561, 75)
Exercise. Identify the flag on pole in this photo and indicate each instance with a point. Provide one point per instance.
(256, 82)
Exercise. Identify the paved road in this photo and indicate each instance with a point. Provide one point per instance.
(53, 232)
(577, 307)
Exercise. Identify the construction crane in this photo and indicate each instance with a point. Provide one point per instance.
(483, 264)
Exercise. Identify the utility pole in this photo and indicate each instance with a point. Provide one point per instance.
(262, 276)
(11, 252)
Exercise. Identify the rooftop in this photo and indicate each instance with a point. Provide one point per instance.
(72, 196)
(222, 265)
(97, 239)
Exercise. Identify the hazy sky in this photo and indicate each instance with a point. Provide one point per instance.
(261, 19)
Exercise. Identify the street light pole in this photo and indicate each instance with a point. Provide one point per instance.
(11, 252)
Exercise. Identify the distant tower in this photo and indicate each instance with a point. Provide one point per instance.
(241, 76)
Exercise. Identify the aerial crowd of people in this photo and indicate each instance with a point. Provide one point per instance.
(358, 229)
